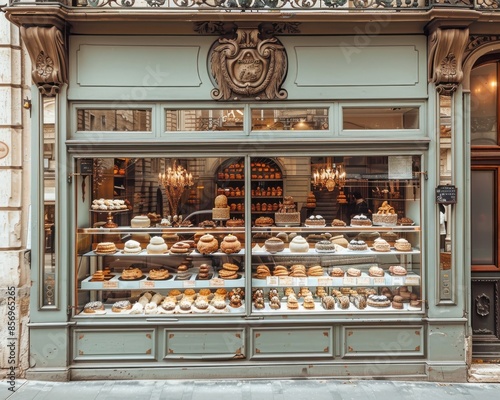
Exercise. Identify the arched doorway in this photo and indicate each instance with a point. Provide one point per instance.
(485, 206)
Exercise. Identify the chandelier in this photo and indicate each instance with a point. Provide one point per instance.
(329, 176)
(175, 180)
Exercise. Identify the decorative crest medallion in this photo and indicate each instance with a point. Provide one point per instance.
(251, 64)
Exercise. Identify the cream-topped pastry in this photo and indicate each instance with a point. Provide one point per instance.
(380, 244)
(157, 245)
(132, 247)
(402, 245)
(299, 245)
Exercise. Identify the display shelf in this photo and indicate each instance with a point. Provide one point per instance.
(411, 279)
(318, 309)
(346, 252)
(116, 284)
(192, 253)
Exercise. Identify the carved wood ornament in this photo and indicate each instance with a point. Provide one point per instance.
(48, 57)
(249, 63)
(446, 53)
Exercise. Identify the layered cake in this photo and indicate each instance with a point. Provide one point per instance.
(157, 245)
(221, 209)
(315, 220)
(287, 213)
(378, 300)
(381, 245)
(180, 248)
(140, 221)
(324, 246)
(230, 244)
(341, 198)
(385, 216)
(298, 245)
(311, 200)
(357, 245)
(361, 220)
(132, 247)
(402, 245)
(105, 248)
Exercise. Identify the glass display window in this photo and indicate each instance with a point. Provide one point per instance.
(249, 235)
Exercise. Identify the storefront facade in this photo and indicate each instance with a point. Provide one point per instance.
(274, 127)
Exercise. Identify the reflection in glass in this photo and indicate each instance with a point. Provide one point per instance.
(483, 233)
(48, 251)
(484, 105)
(108, 120)
(201, 120)
(366, 118)
(289, 119)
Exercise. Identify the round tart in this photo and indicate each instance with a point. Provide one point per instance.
(357, 245)
(105, 247)
(378, 300)
(402, 245)
(93, 307)
(324, 246)
(381, 245)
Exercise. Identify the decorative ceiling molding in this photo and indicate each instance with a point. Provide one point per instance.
(48, 57)
(248, 64)
(446, 54)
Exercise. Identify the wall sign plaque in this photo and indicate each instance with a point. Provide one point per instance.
(4, 150)
(446, 194)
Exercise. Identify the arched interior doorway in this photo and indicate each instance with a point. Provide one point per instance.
(485, 206)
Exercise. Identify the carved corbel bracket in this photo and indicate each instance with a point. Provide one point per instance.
(446, 54)
(48, 57)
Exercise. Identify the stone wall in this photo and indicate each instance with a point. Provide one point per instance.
(14, 202)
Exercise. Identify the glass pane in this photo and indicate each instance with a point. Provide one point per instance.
(169, 233)
(366, 118)
(484, 105)
(289, 119)
(201, 120)
(110, 120)
(49, 203)
(317, 239)
(483, 217)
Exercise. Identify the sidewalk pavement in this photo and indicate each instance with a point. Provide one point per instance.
(319, 389)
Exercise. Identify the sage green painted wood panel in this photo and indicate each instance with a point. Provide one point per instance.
(114, 344)
(292, 342)
(382, 59)
(207, 343)
(141, 66)
(383, 341)
(148, 68)
(356, 67)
